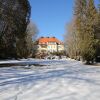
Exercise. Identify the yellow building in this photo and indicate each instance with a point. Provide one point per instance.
(49, 44)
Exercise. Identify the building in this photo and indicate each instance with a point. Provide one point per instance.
(49, 44)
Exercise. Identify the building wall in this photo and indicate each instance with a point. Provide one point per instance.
(60, 48)
(42, 48)
(51, 48)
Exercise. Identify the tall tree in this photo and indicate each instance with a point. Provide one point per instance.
(71, 40)
(89, 43)
(14, 17)
(85, 13)
(80, 20)
(97, 27)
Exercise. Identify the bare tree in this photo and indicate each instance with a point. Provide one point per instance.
(71, 40)
(32, 32)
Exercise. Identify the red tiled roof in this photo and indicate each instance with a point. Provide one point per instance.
(45, 40)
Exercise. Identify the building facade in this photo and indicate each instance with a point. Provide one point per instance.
(49, 44)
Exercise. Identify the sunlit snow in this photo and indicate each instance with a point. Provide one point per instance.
(55, 80)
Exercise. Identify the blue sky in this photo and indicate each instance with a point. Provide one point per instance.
(51, 16)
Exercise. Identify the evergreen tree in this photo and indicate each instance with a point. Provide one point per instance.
(88, 50)
(14, 17)
(85, 13)
(80, 23)
(97, 27)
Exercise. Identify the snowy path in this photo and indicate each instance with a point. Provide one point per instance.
(59, 80)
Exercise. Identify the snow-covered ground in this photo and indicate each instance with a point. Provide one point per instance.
(56, 80)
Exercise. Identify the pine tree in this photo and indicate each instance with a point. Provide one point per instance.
(80, 23)
(89, 44)
(86, 15)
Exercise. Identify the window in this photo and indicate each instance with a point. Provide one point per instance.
(44, 46)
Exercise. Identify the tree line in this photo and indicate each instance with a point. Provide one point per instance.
(16, 29)
(83, 32)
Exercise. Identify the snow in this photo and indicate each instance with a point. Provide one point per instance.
(56, 80)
